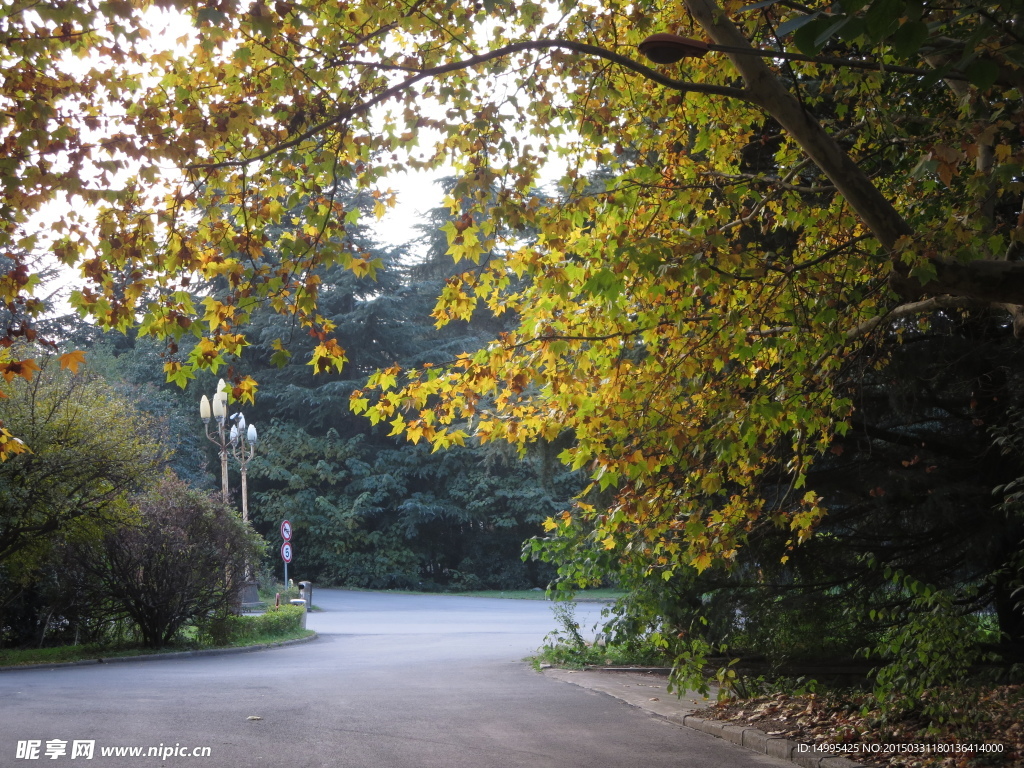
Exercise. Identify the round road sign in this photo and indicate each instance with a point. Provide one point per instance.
(286, 530)
(286, 551)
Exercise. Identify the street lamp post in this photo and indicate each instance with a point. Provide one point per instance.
(219, 436)
(243, 447)
(241, 441)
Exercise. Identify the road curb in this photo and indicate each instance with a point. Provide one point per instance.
(159, 656)
(757, 740)
(679, 713)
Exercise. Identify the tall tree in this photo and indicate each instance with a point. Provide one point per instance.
(180, 561)
(810, 176)
(89, 450)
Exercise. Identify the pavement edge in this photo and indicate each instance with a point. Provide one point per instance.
(754, 739)
(757, 740)
(159, 656)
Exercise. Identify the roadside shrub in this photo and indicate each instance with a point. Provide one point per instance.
(72, 488)
(926, 656)
(228, 629)
(567, 647)
(182, 561)
(278, 620)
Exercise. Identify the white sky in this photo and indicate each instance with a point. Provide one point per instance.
(417, 191)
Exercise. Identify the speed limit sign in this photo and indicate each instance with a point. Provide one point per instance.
(286, 551)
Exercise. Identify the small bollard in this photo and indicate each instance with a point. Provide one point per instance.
(306, 593)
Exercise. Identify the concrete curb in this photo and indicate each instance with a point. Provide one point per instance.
(622, 684)
(160, 656)
(759, 741)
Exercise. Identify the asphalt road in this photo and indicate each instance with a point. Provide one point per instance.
(394, 681)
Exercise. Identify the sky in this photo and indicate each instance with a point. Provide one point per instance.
(417, 192)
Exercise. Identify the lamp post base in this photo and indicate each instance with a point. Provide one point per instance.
(248, 595)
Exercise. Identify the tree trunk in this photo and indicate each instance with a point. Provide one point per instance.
(985, 280)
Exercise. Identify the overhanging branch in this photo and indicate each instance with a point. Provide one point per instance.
(994, 282)
(683, 86)
(913, 308)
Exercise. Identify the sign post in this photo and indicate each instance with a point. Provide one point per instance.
(286, 547)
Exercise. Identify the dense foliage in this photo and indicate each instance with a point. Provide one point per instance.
(91, 551)
(73, 484)
(792, 289)
(181, 562)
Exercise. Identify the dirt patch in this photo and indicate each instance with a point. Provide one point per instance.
(992, 734)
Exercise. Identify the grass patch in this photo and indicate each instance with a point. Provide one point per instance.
(583, 596)
(596, 595)
(569, 656)
(236, 632)
(64, 653)
(566, 647)
(507, 594)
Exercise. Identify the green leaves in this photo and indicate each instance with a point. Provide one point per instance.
(908, 39)
(811, 37)
(895, 22)
(882, 18)
(687, 316)
(982, 73)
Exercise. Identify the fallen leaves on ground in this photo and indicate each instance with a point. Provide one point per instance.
(992, 735)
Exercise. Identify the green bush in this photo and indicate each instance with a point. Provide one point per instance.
(276, 622)
(566, 647)
(181, 561)
(926, 656)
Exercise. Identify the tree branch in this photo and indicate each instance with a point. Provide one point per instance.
(773, 97)
(603, 337)
(996, 282)
(914, 308)
(682, 86)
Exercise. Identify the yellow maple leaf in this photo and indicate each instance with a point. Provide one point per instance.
(11, 445)
(24, 368)
(72, 361)
(360, 267)
(701, 562)
(414, 432)
(328, 355)
(245, 391)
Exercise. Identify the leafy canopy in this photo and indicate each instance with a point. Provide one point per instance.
(89, 450)
(688, 317)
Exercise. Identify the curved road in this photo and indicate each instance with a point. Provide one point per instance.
(394, 681)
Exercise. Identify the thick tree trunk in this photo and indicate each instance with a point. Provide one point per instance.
(985, 280)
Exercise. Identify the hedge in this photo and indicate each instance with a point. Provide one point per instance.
(277, 621)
